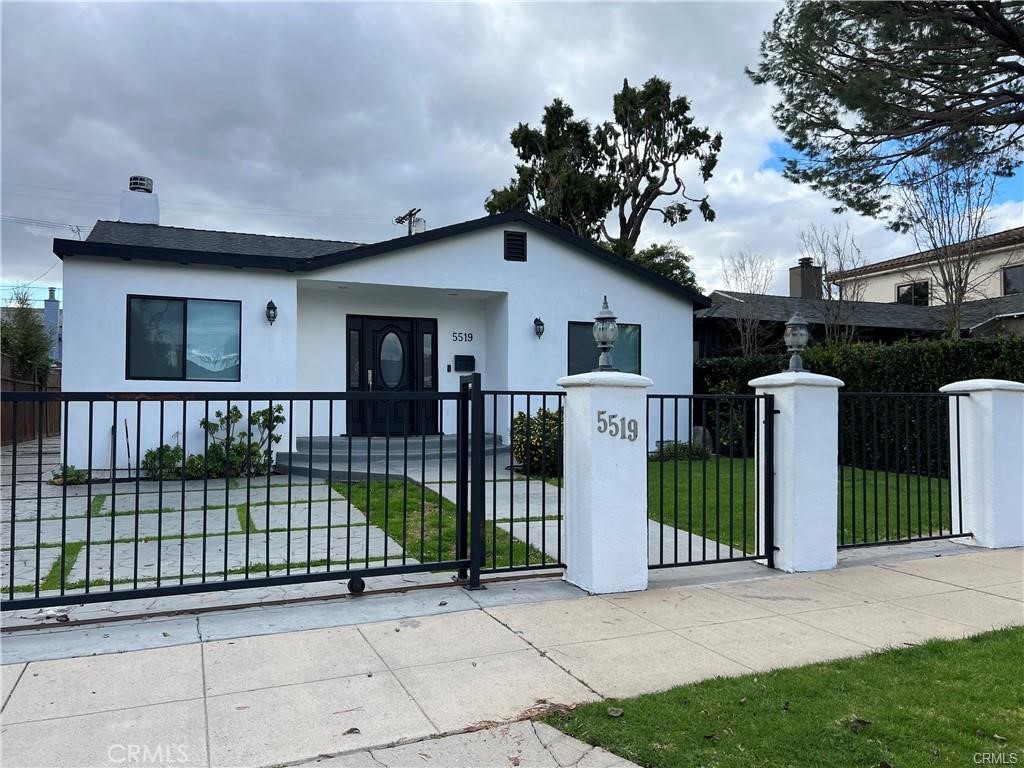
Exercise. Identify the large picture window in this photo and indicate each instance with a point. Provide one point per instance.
(583, 351)
(183, 339)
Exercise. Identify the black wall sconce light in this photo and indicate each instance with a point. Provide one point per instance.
(271, 312)
(538, 327)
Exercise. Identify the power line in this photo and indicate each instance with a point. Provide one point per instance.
(176, 204)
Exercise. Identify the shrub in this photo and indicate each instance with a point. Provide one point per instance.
(163, 463)
(537, 442)
(905, 366)
(671, 450)
(69, 474)
(244, 453)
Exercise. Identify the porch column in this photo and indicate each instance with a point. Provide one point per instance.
(986, 444)
(605, 476)
(806, 461)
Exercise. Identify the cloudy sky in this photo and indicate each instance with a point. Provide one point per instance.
(329, 119)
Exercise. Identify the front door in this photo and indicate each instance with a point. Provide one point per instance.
(391, 355)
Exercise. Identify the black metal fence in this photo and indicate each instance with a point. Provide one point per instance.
(708, 501)
(899, 475)
(152, 494)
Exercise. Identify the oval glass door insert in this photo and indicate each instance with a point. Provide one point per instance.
(392, 360)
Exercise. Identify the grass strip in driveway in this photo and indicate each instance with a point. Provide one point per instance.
(943, 703)
(409, 514)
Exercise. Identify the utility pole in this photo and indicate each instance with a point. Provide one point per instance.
(408, 217)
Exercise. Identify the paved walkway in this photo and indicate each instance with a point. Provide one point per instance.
(362, 675)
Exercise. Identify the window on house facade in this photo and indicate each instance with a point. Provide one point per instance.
(1013, 279)
(583, 351)
(174, 339)
(916, 294)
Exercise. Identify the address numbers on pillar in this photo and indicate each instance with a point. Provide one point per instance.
(614, 425)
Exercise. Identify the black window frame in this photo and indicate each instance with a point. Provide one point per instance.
(910, 285)
(184, 324)
(1006, 269)
(590, 326)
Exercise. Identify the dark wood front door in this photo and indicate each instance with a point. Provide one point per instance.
(391, 355)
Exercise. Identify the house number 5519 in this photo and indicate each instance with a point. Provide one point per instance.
(614, 425)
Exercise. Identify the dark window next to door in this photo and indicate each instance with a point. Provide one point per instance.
(583, 350)
(915, 294)
(1013, 279)
(174, 339)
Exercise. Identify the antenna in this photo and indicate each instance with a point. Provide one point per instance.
(409, 217)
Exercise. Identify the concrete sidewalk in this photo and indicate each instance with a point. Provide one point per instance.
(363, 675)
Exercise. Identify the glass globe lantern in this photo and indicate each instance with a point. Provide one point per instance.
(796, 337)
(606, 331)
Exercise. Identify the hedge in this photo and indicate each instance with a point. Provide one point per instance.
(905, 366)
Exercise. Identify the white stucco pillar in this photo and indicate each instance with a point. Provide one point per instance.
(987, 475)
(605, 474)
(806, 460)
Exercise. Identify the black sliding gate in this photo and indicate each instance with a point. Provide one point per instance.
(261, 488)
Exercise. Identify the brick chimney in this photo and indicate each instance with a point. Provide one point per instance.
(805, 280)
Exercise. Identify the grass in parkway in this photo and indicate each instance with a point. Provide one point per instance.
(938, 704)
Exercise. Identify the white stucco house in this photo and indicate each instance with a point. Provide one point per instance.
(151, 308)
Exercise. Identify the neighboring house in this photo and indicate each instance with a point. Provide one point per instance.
(164, 309)
(908, 279)
(716, 328)
(52, 317)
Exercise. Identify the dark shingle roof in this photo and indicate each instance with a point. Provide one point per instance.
(1004, 239)
(733, 304)
(211, 241)
(151, 242)
(729, 305)
(975, 313)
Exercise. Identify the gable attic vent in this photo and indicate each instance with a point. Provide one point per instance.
(515, 246)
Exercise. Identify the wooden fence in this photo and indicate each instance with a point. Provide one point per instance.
(27, 413)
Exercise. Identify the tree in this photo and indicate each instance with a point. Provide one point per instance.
(25, 340)
(574, 176)
(751, 274)
(668, 260)
(561, 175)
(834, 250)
(946, 205)
(867, 87)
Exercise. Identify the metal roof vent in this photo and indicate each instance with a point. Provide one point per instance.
(140, 184)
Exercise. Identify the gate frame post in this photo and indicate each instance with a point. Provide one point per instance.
(804, 434)
(987, 427)
(462, 458)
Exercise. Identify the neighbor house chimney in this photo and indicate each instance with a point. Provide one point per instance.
(138, 203)
(805, 280)
(51, 321)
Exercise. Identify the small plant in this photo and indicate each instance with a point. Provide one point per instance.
(163, 463)
(235, 453)
(69, 474)
(537, 442)
(671, 450)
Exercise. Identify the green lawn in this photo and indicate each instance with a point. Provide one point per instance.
(410, 515)
(707, 498)
(944, 703)
(879, 506)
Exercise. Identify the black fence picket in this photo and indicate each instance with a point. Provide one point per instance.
(899, 475)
